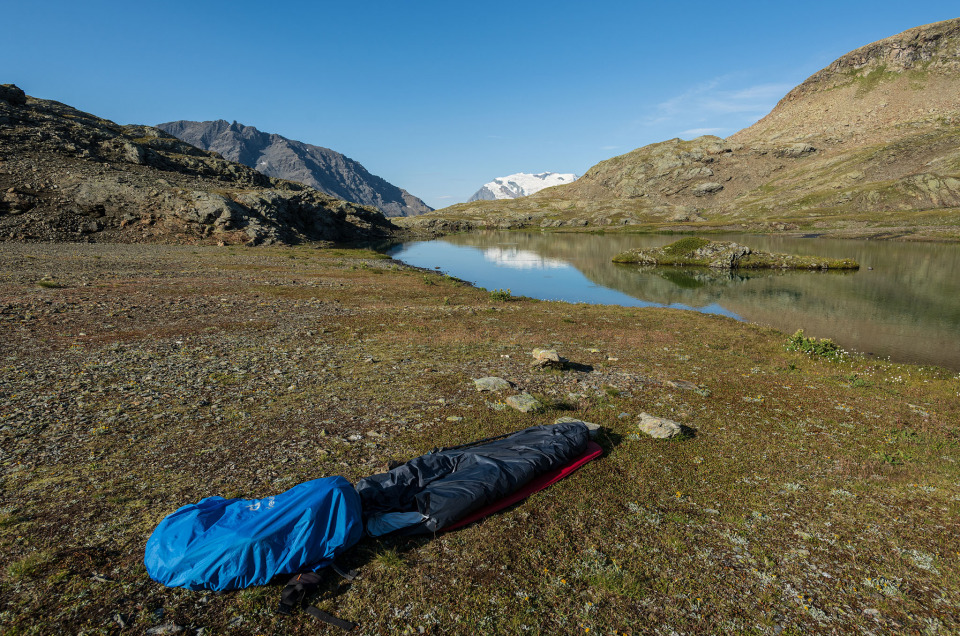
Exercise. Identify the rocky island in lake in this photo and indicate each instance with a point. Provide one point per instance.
(700, 252)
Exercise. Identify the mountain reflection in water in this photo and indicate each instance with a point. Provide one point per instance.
(906, 307)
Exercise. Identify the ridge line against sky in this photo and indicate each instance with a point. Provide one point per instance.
(440, 98)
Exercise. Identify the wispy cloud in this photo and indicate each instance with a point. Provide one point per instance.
(696, 132)
(446, 196)
(717, 102)
(609, 147)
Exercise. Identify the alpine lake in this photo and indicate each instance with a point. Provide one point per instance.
(902, 304)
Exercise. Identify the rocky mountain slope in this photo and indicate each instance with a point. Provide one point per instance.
(520, 185)
(870, 144)
(67, 175)
(321, 168)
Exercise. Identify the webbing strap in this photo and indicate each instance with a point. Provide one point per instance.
(347, 574)
(296, 590)
(316, 612)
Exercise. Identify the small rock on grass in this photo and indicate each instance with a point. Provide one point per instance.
(660, 427)
(169, 628)
(525, 403)
(566, 419)
(491, 383)
(685, 385)
(548, 358)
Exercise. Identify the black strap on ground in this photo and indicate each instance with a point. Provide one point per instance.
(296, 590)
(347, 574)
(330, 619)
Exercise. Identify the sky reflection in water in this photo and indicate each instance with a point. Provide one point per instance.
(525, 273)
(904, 303)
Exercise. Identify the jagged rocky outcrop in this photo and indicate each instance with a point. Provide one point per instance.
(520, 184)
(875, 135)
(67, 175)
(276, 156)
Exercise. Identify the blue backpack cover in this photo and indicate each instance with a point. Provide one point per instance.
(226, 544)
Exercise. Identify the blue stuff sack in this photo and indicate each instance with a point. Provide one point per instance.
(227, 544)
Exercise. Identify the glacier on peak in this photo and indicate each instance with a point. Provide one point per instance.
(520, 185)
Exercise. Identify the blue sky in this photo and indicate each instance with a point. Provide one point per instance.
(441, 97)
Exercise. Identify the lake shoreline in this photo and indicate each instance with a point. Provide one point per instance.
(902, 303)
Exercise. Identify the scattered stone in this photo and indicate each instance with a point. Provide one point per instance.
(796, 150)
(709, 187)
(491, 383)
(659, 427)
(525, 403)
(548, 358)
(681, 384)
(454, 418)
(168, 628)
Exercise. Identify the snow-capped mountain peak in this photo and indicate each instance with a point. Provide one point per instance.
(520, 185)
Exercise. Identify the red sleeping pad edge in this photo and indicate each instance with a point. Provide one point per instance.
(537, 483)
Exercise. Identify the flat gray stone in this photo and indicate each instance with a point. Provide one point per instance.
(169, 628)
(659, 427)
(491, 383)
(548, 358)
(548, 355)
(525, 403)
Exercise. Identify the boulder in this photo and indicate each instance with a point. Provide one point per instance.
(491, 383)
(796, 150)
(659, 427)
(709, 187)
(12, 94)
(547, 358)
(525, 403)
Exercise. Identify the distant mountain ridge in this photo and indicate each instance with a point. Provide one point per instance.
(276, 156)
(67, 175)
(519, 185)
(868, 146)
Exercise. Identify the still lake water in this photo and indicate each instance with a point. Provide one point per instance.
(906, 308)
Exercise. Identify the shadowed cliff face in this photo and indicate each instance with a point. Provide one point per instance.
(317, 167)
(66, 175)
(875, 135)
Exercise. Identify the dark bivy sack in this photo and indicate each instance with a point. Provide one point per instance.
(435, 491)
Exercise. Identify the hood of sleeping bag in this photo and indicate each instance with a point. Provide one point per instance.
(226, 544)
(433, 491)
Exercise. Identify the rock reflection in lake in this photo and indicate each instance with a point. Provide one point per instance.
(903, 303)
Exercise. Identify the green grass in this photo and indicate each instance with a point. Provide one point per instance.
(684, 246)
(28, 566)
